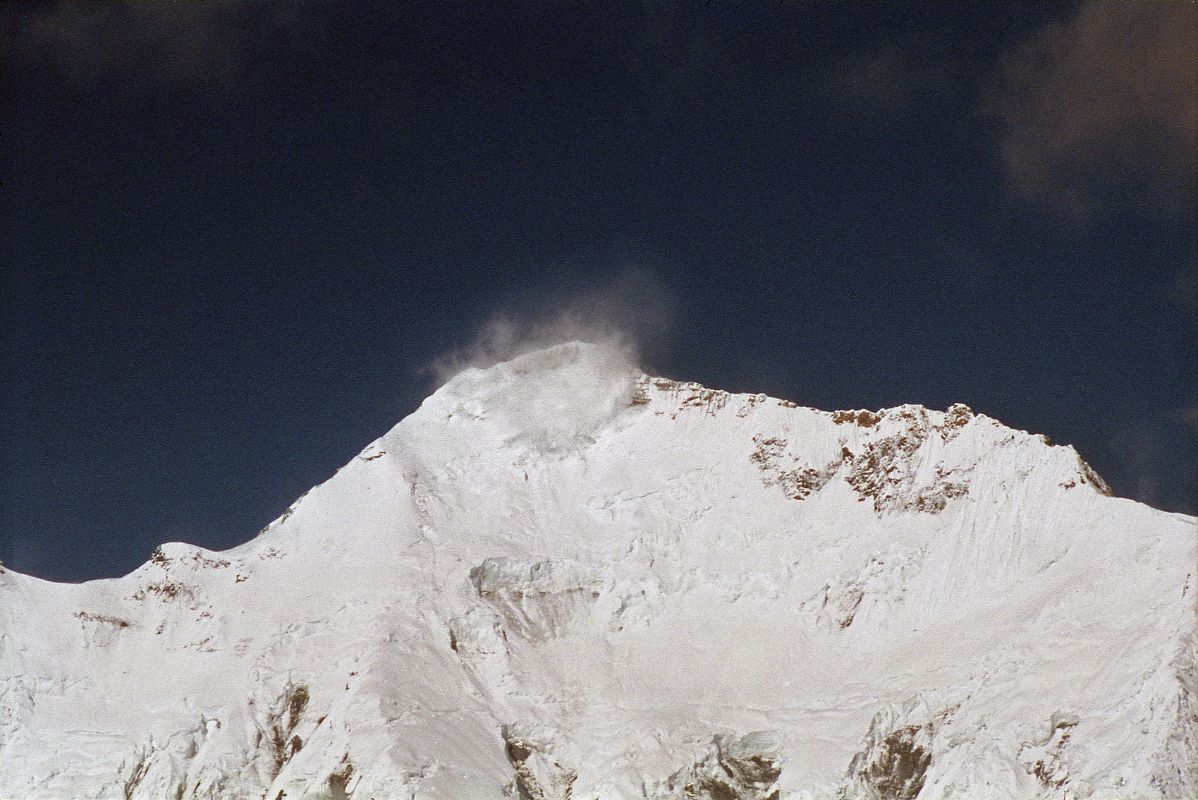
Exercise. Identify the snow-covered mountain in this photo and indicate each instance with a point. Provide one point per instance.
(561, 578)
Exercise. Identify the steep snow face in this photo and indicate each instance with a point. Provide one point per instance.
(560, 578)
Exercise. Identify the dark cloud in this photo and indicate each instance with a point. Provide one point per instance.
(968, 266)
(680, 60)
(1144, 454)
(888, 79)
(1186, 285)
(86, 45)
(879, 78)
(1103, 103)
(758, 62)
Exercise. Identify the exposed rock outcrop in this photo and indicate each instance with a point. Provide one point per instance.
(539, 773)
(894, 758)
(734, 768)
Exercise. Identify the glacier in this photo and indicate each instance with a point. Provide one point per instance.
(563, 578)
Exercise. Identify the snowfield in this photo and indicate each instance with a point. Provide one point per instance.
(561, 578)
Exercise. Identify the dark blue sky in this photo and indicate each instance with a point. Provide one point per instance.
(236, 235)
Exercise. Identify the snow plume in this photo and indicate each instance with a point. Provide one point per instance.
(627, 316)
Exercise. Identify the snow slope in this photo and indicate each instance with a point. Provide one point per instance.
(562, 578)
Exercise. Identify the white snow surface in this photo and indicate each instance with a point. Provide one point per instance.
(561, 578)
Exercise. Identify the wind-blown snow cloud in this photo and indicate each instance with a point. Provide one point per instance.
(628, 315)
(1103, 103)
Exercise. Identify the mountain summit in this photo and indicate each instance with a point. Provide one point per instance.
(561, 578)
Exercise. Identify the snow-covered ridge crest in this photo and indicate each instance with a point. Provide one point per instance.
(564, 579)
(898, 458)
